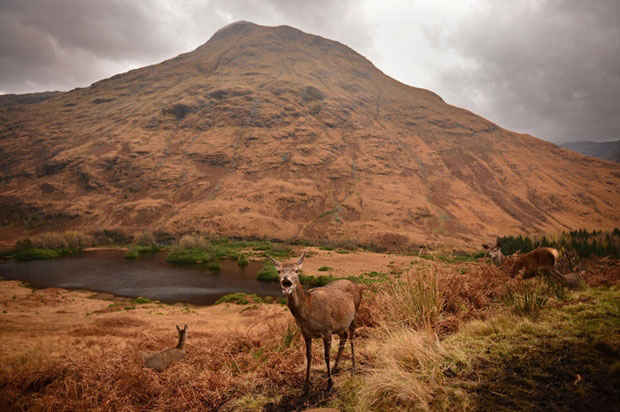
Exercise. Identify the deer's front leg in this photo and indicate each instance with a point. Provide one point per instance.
(308, 341)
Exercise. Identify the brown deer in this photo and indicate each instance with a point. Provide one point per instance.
(161, 360)
(320, 313)
(540, 258)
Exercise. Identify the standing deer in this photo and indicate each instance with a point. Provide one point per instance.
(540, 258)
(497, 256)
(321, 312)
(161, 360)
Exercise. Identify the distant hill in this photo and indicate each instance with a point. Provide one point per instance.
(27, 98)
(602, 150)
(273, 132)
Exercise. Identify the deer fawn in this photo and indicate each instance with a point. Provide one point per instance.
(320, 313)
(161, 360)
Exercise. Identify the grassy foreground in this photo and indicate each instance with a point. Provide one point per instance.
(432, 336)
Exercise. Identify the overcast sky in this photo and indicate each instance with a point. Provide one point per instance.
(550, 68)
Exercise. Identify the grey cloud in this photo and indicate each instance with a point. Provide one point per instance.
(549, 68)
(61, 44)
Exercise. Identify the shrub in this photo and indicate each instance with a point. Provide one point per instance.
(214, 266)
(136, 251)
(145, 239)
(70, 240)
(268, 273)
(111, 237)
(193, 242)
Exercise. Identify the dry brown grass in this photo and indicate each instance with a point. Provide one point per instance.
(63, 240)
(406, 356)
(193, 242)
(409, 372)
(58, 240)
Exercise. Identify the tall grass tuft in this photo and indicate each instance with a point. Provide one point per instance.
(65, 240)
(193, 242)
(414, 300)
(527, 297)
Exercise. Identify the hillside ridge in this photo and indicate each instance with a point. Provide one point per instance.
(272, 132)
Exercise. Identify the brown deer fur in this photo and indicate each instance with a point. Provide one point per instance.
(540, 258)
(161, 360)
(321, 312)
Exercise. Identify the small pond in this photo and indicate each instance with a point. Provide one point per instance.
(149, 276)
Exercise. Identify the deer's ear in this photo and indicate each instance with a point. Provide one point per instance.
(178, 329)
(185, 328)
(301, 259)
(277, 264)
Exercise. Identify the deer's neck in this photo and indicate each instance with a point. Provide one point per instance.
(299, 303)
(181, 341)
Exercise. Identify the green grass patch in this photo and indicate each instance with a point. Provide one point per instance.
(41, 253)
(563, 361)
(369, 278)
(324, 269)
(454, 258)
(240, 298)
(268, 273)
(315, 281)
(188, 256)
(141, 301)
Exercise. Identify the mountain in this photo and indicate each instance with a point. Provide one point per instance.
(269, 131)
(602, 150)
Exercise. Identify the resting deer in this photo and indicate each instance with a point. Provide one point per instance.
(321, 312)
(540, 258)
(161, 360)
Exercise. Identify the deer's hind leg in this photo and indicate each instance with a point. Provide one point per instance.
(341, 343)
(327, 344)
(351, 333)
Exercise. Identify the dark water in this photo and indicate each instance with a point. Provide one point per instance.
(149, 276)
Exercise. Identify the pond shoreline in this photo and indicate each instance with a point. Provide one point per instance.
(106, 270)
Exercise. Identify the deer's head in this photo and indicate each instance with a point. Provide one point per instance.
(289, 274)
